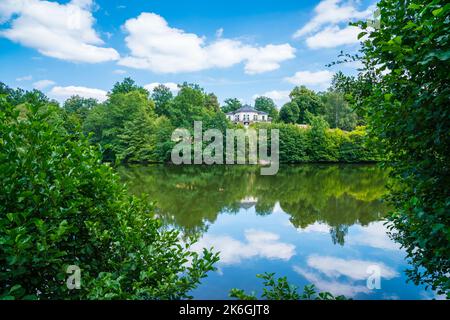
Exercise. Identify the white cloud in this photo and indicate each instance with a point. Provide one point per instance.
(374, 235)
(333, 286)
(171, 85)
(316, 227)
(157, 47)
(323, 30)
(62, 31)
(332, 12)
(258, 244)
(333, 37)
(42, 84)
(278, 96)
(119, 71)
(351, 268)
(62, 93)
(25, 78)
(326, 273)
(321, 79)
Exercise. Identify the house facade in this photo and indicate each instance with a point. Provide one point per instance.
(247, 115)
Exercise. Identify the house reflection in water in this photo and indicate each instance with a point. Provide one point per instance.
(248, 202)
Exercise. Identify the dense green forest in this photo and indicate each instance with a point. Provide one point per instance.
(133, 125)
(60, 201)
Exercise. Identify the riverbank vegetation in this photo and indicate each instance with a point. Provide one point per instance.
(61, 205)
(405, 91)
(133, 125)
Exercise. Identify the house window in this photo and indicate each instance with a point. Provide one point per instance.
(255, 117)
(264, 118)
(236, 117)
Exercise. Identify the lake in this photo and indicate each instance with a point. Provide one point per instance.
(320, 224)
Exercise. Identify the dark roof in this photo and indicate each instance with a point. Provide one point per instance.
(247, 108)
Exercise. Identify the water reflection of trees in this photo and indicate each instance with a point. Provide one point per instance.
(191, 197)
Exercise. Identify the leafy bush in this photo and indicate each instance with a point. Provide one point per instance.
(280, 289)
(406, 92)
(60, 206)
(320, 144)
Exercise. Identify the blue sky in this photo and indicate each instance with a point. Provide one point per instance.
(232, 48)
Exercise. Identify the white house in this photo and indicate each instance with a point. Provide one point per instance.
(247, 115)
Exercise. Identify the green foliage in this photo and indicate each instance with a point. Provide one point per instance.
(231, 104)
(126, 86)
(191, 197)
(322, 147)
(317, 143)
(307, 101)
(77, 109)
(191, 104)
(60, 206)
(267, 105)
(280, 289)
(337, 111)
(164, 144)
(289, 113)
(113, 125)
(334, 106)
(353, 89)
(162, 96)
(406, 93)
(19, 96)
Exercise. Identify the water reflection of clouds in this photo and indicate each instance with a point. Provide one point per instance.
(326, 272)
(331, 285)
(257, 243)
(352, 268)
(374, 235)
(316, 227)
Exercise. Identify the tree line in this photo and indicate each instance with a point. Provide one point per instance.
(135, 125)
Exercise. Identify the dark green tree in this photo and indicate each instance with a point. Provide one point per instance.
(162, 96)
(60, 206)
(289, 113)
(109, 121)
(307, 101)
(407, 86)
(267, 105)
(231, 104)
(337, 111)
(127, 85)
(79, 106)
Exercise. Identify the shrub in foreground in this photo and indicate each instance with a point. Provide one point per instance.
(280, 289)
(60, 206)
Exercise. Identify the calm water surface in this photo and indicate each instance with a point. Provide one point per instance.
(320, 224)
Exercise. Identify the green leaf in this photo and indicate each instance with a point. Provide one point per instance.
(437, 12)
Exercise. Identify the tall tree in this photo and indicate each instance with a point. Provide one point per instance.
(307, 101)
(337, 111)
(191, 104)
(289, 113)
(267, 105)
(109, 121)
(231, 104)
(162, 96)
(126, 86)
(407, 81)
(79, 106)
(212, 103)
